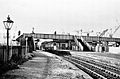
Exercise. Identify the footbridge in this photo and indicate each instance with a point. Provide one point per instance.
(67, 37)
(70, 42)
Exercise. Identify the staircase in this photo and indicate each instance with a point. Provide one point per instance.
(87, 46)
(82, 44)
(78, 43)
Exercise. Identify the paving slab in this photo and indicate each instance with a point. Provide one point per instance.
(46, 66)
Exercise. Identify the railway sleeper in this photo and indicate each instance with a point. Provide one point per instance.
(103, 66)
(99, 70)
(91, 73)
(92, 60)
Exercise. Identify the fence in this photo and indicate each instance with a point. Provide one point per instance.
(18, 51)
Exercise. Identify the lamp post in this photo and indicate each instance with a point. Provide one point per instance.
(8, 25)
(32, 35)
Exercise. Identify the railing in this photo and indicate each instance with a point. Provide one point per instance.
(86, 43)
(18, 51)
(69, 37)
(78, 43)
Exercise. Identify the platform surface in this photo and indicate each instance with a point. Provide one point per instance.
(46, 66)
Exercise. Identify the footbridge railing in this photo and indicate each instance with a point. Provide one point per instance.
(68, 37)
(78, 43)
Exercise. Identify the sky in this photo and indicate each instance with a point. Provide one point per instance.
(63, 16)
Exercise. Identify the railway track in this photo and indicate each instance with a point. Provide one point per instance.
(94, 69)
(101, 64)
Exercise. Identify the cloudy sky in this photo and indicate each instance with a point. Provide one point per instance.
(47, 16)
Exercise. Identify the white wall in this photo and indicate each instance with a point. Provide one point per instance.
(115, 50)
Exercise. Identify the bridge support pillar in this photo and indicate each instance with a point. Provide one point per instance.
(26, 46)
(69, 45)
(105, 45)
(99, 47)
(31, 45)
(58, 45)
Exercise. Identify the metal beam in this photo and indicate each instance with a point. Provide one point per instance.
(68, 37)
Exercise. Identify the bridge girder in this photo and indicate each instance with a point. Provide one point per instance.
(67, 37)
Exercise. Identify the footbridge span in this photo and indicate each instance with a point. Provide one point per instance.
(67, 37)
(84, 43)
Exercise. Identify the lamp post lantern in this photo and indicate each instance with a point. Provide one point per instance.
(8, 25)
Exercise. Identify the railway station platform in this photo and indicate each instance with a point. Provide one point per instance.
(46, 66)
